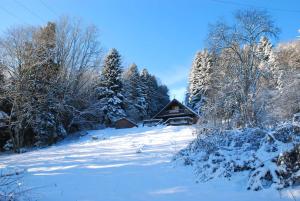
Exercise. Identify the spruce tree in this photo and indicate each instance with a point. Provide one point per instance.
(110, 87)
(37, 101)
(46, 73)
(163, 97)
(132, 90)
(194, 81)
(145, 77)
(267, 62)
(156, 95)
(200, 81)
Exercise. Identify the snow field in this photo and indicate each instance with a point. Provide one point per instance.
(127, 164)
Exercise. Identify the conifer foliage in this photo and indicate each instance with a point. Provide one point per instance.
(200, 80)
(242, 80)
(144, 95)
(156, 95)
(53, 82)
(35, 112)
(110, 87)
(135, 102)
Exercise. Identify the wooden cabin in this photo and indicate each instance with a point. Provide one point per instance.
(175, 113)
(152, 122)
(125, 123)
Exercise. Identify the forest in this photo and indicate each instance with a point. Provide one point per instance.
(55, 81)
(247, 93)
(62, 92)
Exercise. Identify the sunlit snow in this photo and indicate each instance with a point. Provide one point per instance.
(111, 169)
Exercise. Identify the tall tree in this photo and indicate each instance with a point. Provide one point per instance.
(35, 113)
(200, 80)
(132, 90)
(78, 53)
(145, 79)
(156, 96)
(50, 74)
(268, 65)
(238, 44)
(286, 100)
(194, 81)
(110, 87)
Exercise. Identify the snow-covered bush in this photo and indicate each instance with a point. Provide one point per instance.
(270, 157)
(8, 145)
(290, 167)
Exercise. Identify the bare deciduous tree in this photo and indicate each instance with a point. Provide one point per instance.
(239, 62)
(51, 74)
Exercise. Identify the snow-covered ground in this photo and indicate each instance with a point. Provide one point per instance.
(124, 165)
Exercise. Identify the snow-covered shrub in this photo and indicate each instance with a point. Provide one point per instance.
(49, 130)
(8, 145)
(270, 157)
(290, 167)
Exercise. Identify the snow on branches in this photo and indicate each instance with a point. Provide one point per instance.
(266, 158)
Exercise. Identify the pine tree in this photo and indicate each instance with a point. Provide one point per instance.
(110, 87)
(47, 123)
(265, 54)
(200, 80)
(193, 90)
(132, 80)
(132, 90)
(36, 109)
(163, 97)
(145, 77)
(267, 63)
(156, 96)
(42, 85)
(205, 78)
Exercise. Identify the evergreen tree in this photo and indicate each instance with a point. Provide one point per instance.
(46, 72)
(37, 98)
(163, 97)
(110, 87)
(145, 77)
(200, 80)
(132, 90)
(153, 95)
(193, 90)
(205, 78)
(156, 96)
(269, 66)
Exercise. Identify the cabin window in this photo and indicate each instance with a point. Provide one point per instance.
(174, 109)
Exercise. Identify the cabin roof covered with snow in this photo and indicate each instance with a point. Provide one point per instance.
(175, 109)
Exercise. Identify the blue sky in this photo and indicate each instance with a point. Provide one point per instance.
(161, 35)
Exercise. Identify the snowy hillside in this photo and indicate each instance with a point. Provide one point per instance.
(128, 164)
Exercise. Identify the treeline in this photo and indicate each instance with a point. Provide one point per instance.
(54, 82)
(241, 79)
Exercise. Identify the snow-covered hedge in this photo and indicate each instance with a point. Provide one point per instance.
(269, 158)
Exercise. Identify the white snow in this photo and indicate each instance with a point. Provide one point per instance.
(125, 165)
(3, 115)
